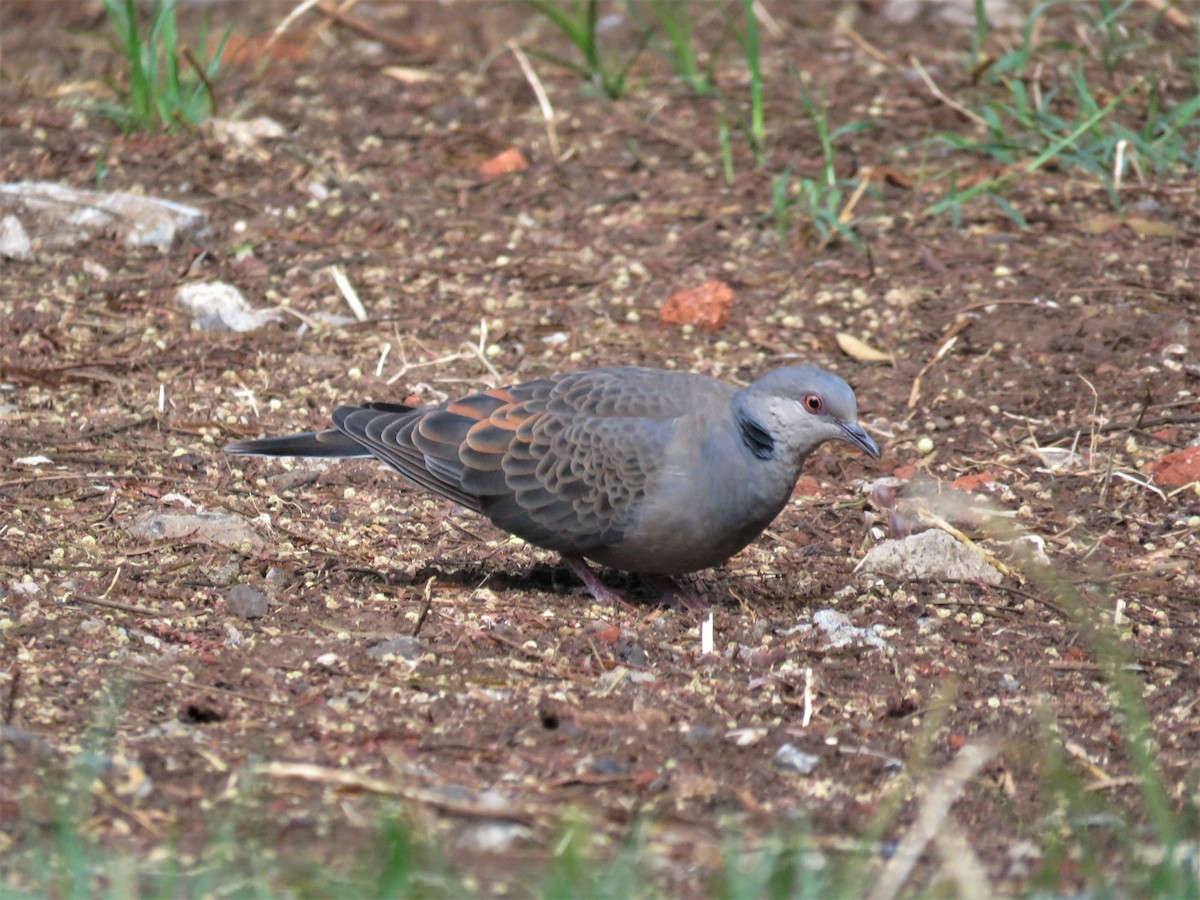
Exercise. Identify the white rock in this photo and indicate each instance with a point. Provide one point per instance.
(245, 132)
(218, 306)
(14, 239)
(960, 13)
(60, 216)
(791, 759)
(931, 555)
(219, 528)
(841, 632)
(32, 461)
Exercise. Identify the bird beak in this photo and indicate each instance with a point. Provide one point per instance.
(853, 434)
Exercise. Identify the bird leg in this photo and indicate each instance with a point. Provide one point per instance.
(677, 596)
(670, 592)
(591, 580)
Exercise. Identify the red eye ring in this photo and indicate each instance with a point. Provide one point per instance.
(813, 403)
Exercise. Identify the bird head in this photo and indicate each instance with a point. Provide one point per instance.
(791, 411)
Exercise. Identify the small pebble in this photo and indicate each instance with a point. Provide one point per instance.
(246, 602)
(492, 837)
(404, 647)
(791, 759)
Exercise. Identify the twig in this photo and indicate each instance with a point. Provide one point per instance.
(115, 604)
(112, 584)
(340, 778)
(1186, 419)
(1019, 592)
(307, 320)
(949, 101)
(960, 861)
(1172, 15)
(847, 212)
(864, 45)
(349, 294)
(40, 439)
(990, 558)
(941, 793)
(130, 812)
(344, 7)
(291, 17)
(983, 304)
(14, 688)
(947, 345)
(480, 350)
(37, 479)
(367, 28)
(27, 740)
(1139, 482)
(540, 92)
(426, 607)
(1094, 442)
(467, 350)
(203, 76)
(199, 686)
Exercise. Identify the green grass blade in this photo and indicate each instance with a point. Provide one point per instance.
(753, 53)
(1040, 160)
(726, 146)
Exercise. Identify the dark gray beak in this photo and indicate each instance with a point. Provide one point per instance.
(855, 435)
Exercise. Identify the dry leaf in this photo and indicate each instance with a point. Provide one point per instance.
(1102, 223)
(407, 75)
(1154, 228)
(1107, 223)
(861, 350)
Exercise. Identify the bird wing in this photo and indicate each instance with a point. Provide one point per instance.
(563, 462)
(387, 434)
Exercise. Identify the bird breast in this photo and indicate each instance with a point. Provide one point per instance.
(710, 500)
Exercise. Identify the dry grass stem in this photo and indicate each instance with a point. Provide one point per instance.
(542, 98)
(940, 793)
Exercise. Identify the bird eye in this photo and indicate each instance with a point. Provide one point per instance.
(813, 403)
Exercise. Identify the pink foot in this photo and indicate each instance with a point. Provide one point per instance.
(591, 581)
(677, 596)
(670, 593)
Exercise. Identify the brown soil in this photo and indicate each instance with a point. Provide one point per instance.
(1067, 333)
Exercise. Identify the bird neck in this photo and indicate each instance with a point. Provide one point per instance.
(764, 433)
(754, 435)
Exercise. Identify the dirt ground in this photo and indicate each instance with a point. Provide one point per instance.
(523, 702)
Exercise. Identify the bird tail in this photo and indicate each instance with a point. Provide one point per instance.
(332, 443)
(328, 444)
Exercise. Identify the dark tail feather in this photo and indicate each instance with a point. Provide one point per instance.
(328, 444)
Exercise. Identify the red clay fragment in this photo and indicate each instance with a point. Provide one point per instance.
(511, 160)
(707, 306)
(973, 482)
(608, 635)
(644, 778)
(1176, 469)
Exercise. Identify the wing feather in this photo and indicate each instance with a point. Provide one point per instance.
(564, 462)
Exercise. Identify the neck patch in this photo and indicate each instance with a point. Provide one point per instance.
(756, 438)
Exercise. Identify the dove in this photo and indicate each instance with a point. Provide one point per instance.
(650, 471)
